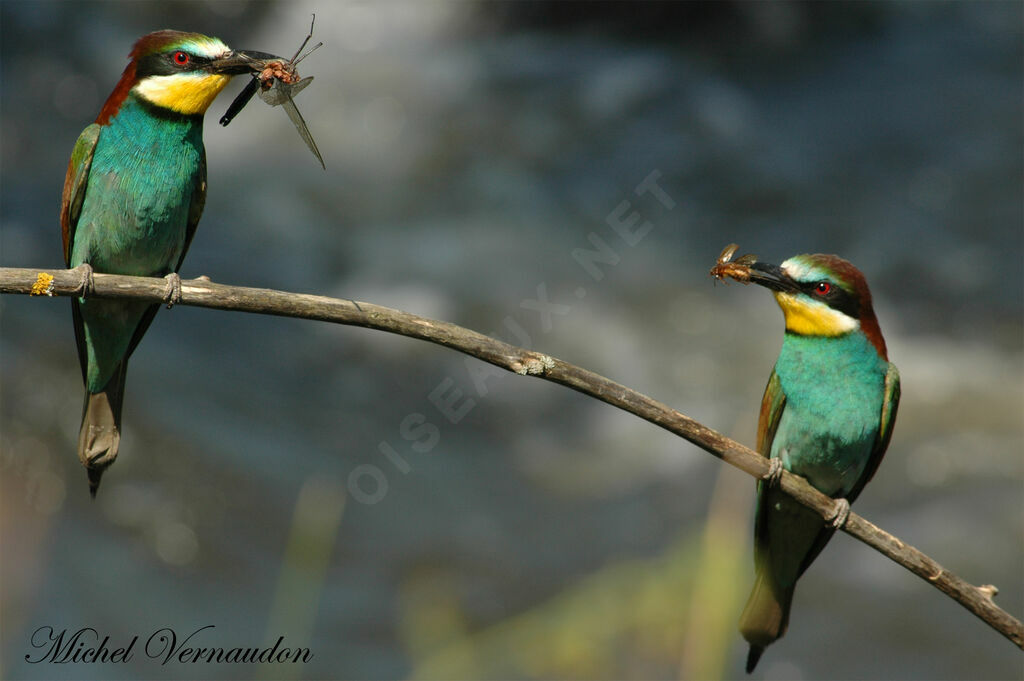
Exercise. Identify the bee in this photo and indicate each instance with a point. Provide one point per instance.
(739, 270)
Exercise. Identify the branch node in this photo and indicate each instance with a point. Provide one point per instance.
(989, 591)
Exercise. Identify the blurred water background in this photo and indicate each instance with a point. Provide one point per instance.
(470, 149)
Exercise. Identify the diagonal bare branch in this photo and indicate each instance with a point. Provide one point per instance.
(205, 293)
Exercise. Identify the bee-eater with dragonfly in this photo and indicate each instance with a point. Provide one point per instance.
(133, 195)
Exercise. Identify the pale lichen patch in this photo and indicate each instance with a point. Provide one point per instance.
(534, 366)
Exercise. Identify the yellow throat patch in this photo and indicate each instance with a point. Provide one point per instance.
(187, 93)
(813, 318)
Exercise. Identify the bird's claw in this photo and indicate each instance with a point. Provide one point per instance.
(840, 513)
(774, 473)
(172, 294)
(86, 285)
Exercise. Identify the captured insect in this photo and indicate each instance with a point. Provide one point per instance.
(739, 270)
(277, 81)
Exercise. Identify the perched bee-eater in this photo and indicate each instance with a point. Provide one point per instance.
(827, 415)
(134, 191)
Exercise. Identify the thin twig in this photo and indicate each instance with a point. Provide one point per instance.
(204, 293)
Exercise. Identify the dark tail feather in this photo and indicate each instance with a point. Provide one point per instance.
(753, 656)
(765, 618)
(100, 435)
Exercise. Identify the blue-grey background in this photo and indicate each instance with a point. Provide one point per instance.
(470, 148)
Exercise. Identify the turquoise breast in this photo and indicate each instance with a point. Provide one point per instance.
(144, 171)
(834, 389)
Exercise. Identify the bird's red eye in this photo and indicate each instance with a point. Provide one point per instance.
(822, 288)
(181, 58)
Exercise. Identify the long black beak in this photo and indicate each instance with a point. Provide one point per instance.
(238, 62)
(772, 277)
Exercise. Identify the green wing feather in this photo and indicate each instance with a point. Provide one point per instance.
(766, 614)
(195, 208)
(772, 405)
(886, 420)
(75, 183)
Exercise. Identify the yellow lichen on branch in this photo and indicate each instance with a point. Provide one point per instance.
(43, 285)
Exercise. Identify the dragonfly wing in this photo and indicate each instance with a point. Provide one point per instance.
(301, 85)
(276, 94)
(300, 124)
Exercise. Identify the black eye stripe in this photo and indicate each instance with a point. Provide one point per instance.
(837, 298)
(164, 64)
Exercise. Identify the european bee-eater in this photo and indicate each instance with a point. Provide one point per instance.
(827, 415)
(133, 194)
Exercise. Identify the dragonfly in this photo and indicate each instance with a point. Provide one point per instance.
(277, 81)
